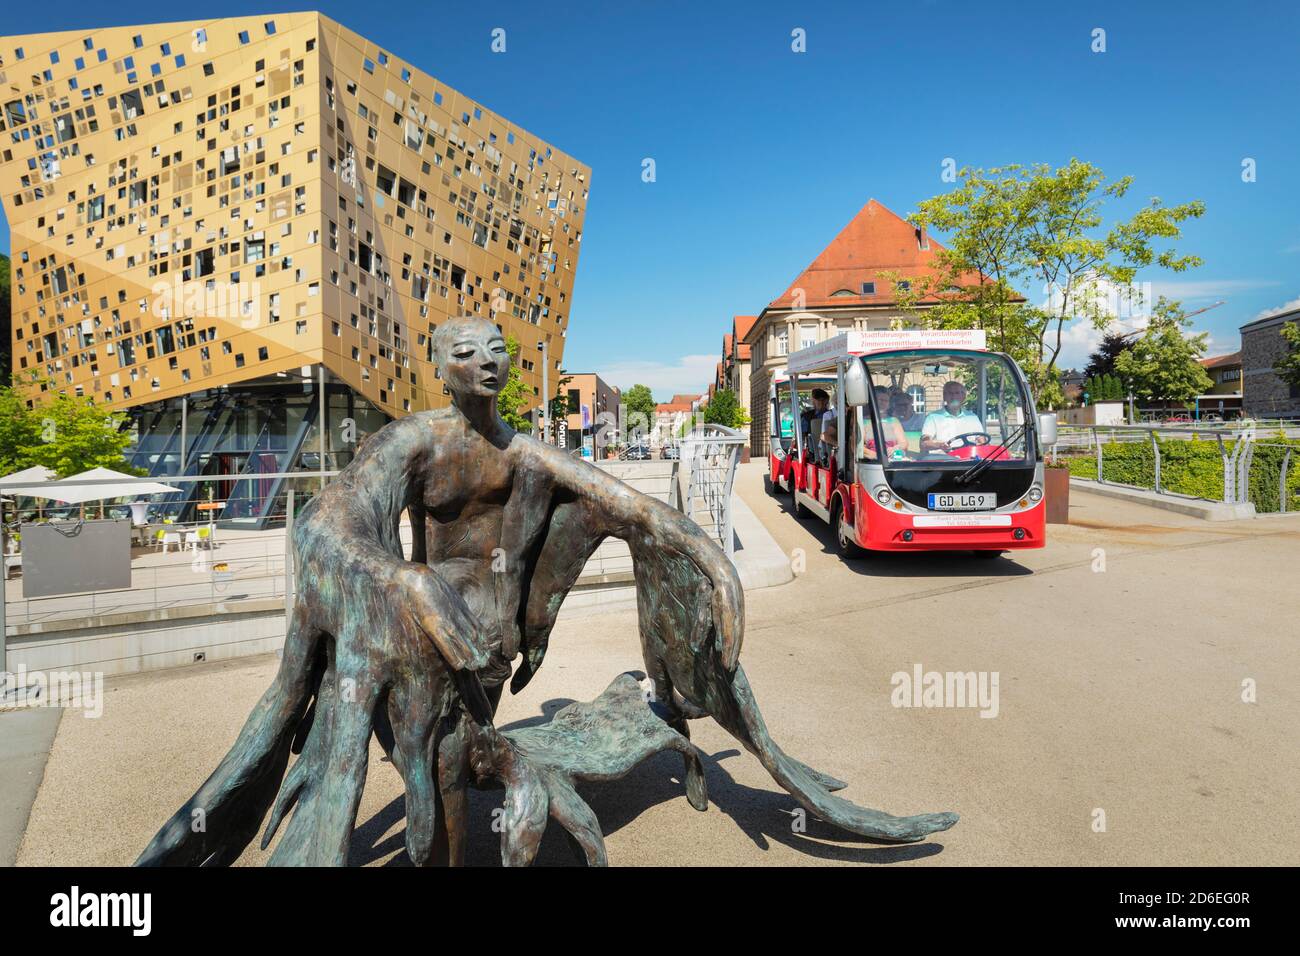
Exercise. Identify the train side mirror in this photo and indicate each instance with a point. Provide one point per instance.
(1047, 429)
(857, 388)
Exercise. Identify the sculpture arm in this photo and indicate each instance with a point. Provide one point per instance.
(621, 511)
(349, 539)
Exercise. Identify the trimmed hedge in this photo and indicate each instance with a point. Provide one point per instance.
(1194, 467)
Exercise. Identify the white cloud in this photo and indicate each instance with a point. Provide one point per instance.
(1284, 307)
(1185, 290)
(690, 374)
(1081, 337)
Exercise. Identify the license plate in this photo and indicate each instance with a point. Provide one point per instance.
(981, 501)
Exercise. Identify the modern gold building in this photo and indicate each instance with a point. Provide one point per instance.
(228, 226)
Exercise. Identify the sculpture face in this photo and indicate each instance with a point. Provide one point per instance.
(472, 357)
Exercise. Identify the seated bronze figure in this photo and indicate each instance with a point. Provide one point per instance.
(418, 652)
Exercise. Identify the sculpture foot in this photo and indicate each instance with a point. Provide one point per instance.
(601, 740)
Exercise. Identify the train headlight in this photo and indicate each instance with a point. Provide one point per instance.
(1035, 494)
(883, 495)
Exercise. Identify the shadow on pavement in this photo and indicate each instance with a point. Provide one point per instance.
(911, 564)
(765, 816)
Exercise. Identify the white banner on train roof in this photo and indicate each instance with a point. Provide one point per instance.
(882, 340)
(845, 344)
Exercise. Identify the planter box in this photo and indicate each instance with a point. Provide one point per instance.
(1056, 494)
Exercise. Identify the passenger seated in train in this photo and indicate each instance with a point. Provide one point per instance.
(895, 438)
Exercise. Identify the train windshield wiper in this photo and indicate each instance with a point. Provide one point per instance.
(977, 469)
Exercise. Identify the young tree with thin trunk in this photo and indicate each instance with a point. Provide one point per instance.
(1019, 226)
(1164, 365)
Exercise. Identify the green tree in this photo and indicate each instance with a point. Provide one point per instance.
(724, 409)
(640, 404)
(1164, 364)
(1289, 366)
(560, 403)
(1030, 226)
(1103, 388)
(515, 395)
(1102, 361)
(73, 435)
(19, 430)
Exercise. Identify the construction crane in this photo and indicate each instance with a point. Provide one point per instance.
(1186, 315)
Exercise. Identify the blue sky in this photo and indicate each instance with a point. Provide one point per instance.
(763, 154)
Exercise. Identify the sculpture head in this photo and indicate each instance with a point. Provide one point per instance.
(471, 356)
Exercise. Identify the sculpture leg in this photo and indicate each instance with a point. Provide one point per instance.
(218, 822)
(738, 714)
(451, 823)
(579, 821)
(320, 831)
(417, 709)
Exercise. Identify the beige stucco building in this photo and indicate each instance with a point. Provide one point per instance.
(847, 287)
(592, 406)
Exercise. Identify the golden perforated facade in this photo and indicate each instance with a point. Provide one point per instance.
(199, 204)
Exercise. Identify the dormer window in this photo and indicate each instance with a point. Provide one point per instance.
(868, 288)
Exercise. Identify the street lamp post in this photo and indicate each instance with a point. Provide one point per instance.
(546, 391)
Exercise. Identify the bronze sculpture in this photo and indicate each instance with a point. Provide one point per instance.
(418, 651)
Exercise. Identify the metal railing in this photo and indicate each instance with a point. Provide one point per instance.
(233, 564)
(232, 568)
(1083, 436)
(709, 454)
(1236, 444)
(226, 565)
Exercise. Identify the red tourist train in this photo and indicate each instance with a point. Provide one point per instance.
(911, 440)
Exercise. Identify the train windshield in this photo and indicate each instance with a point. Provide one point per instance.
(934, 409)
(945, 423)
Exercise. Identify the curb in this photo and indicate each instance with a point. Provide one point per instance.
(1201, 508)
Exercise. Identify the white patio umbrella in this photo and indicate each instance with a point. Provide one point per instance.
(24, 482)
(109, 484)
(114, 485)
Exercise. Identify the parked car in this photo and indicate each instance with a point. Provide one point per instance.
(638, 453)
(672, 451)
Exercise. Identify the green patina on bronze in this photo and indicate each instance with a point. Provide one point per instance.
(417, 652)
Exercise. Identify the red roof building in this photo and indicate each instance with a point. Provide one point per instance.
(849, 285)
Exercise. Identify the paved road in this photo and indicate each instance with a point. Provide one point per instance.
(1120, 693)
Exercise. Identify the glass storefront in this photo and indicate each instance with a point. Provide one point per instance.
(253, 432)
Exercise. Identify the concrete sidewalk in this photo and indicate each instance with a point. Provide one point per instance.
(1121, 648)
(25, 739)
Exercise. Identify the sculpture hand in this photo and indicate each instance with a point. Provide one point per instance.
(441, 614)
